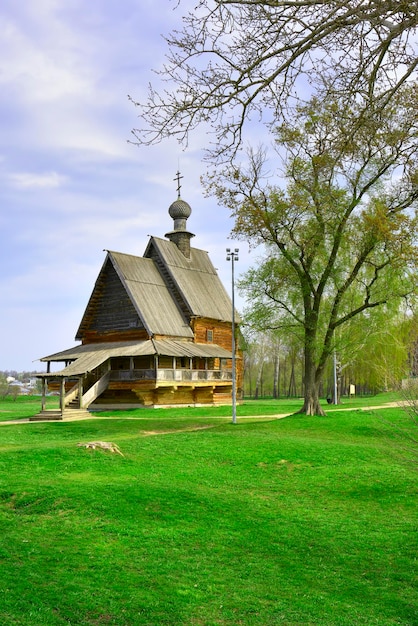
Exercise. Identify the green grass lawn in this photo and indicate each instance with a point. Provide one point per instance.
(25, 406)
(297, 521)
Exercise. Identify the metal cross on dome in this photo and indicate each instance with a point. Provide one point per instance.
(178, 178)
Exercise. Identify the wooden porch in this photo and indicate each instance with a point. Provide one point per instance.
(119, 383)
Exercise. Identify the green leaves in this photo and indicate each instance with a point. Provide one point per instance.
(340, 237)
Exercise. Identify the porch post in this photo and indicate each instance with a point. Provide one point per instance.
(43, 401)
(80, 392)
(62, 394)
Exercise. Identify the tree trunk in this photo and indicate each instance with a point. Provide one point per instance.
(292, 383)
(276, 376)
(259, 379)
(311, 405)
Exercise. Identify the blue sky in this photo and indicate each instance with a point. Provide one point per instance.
(71, 184)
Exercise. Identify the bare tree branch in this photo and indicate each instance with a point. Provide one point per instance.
(237, 59)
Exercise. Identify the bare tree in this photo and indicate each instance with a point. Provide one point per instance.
(240, 60)
(4, 387)
(14, 391)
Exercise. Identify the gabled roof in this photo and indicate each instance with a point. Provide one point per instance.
(195, 279)
(148, 294)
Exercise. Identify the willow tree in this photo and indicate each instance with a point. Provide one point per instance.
(334, 82)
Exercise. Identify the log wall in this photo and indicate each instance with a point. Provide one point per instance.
(110, 311)
(94, 336)
(222, 336)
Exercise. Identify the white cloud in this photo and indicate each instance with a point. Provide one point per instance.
(71, 185)
(40, 57)
(27, 180)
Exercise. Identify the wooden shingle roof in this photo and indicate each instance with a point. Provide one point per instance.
(158, 293)
(195, 279)
(87, 357)
(150, 296)
(148, 293)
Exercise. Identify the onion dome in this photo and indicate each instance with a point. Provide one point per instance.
(179, 209)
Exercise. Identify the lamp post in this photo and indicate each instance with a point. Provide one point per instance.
(233, 256)
(335, 378)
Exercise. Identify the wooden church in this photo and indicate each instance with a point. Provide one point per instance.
(157, 331)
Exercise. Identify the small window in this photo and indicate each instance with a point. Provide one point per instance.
(209, 336)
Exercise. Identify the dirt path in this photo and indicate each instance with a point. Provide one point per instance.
(277, 416)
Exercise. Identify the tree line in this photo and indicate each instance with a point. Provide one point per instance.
(8, 377)
(368, 360)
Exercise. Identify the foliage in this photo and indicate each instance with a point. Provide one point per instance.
(372, 353)
(4, 386)
(272, 363)
(340, 240)
(374, 349)
(24, 406)
(295, 521)
(407, 431)
(8, 387)
(24, 376)
(14, 391)
(337, 84)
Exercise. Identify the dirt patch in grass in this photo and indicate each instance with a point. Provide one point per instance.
(151, 433)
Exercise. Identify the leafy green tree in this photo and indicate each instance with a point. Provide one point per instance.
(14, 391)
(4, 386)
(334, 82)
(340, 239)
(374, 348)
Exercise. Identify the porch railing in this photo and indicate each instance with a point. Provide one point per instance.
(175, 375)
(95, 390)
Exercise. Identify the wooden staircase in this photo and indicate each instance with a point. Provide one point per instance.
(72, 408)
(54, 415)
(49, 415)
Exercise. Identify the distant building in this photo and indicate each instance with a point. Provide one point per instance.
(157, 331)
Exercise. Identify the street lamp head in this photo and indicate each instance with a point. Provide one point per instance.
(232, 255)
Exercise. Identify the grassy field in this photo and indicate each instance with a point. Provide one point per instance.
(295, 521)
(25, 406)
